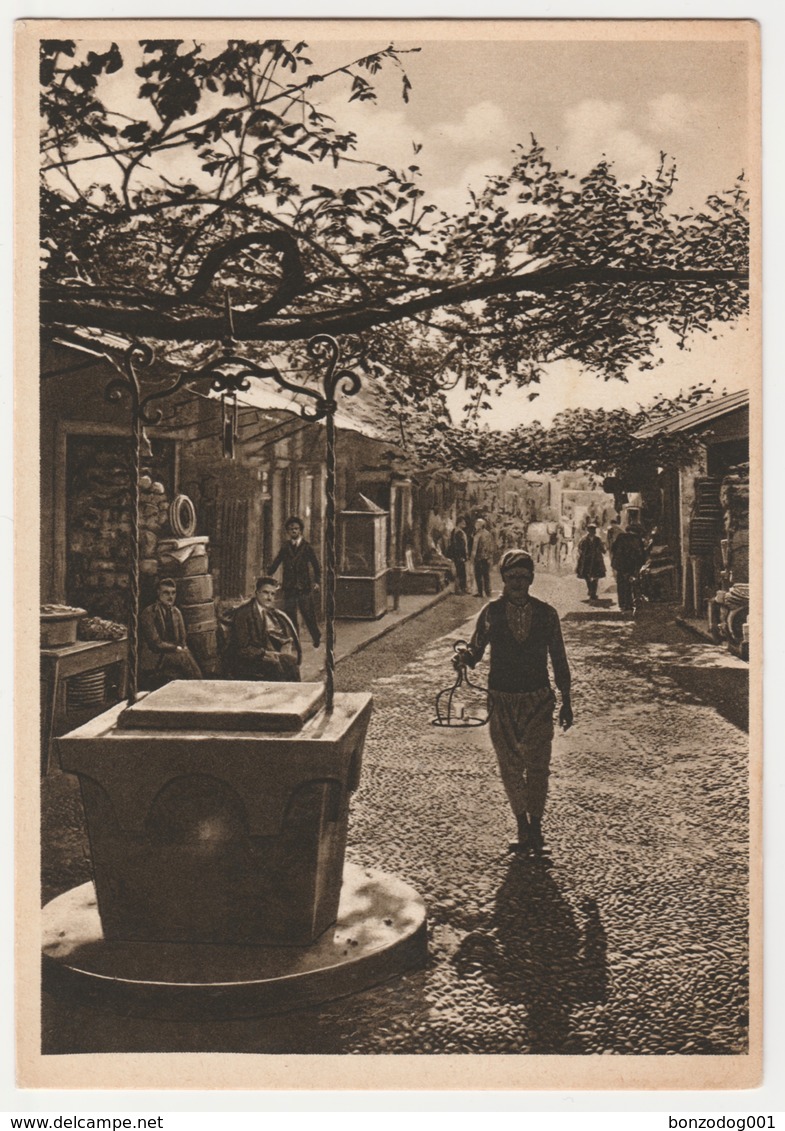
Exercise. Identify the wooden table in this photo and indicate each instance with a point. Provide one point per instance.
(58, 665)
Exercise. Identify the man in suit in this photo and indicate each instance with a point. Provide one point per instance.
(482, 555)
(458, 551)
(302, 577)
(264, 644)
(626, 560)
(163, 653)
(591, 561)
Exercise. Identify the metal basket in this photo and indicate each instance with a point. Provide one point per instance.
(450, 713)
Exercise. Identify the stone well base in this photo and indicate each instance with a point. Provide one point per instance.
(380, 933)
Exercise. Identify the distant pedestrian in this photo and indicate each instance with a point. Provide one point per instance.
(164, 654)
(522, 633)
(264, 644)
(302, 576)
(626, 560)
(566, 542)
(591, 560)
(614, 530)
(482, 556)
(458, 553)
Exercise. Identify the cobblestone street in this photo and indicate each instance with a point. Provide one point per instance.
(628, 936)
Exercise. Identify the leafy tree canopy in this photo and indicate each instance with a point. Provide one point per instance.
(602, 441)
(173, 176)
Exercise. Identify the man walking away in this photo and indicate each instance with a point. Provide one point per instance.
(164, 654)
(302, 577)
(522, 633)
(482, 554)
(591, 561)
(626, 560)
(458, 552)
(614, 530)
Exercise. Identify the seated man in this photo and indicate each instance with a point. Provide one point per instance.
(264, 644)
(163, 652)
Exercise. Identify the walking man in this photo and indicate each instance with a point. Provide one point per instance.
(164, 654)
(302, 577)
(522, 633)
(626, 560)
(591, 560)
(482, 554)
(614, 530)
(458, 552)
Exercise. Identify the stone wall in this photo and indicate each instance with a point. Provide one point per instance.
(98, 521)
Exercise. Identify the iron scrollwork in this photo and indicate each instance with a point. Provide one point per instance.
(230, 372)
(324, 348)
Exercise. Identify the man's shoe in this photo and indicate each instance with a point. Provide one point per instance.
(524, 841)
(535, 832)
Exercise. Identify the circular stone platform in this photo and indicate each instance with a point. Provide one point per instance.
(380, 933)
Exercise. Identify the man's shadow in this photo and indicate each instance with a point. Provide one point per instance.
(535, 953)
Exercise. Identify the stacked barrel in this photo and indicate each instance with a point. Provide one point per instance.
(186, 561)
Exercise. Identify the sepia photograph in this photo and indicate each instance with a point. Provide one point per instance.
(392, 522)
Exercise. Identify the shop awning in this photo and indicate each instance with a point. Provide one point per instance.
(696, 417)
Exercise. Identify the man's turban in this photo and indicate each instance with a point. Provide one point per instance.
(513, 558)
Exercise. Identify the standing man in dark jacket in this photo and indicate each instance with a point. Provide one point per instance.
(627, 557)
(482, 555)
(302, 577)
(591, 562)
(523, 633)
(458, 552)
(164, 654)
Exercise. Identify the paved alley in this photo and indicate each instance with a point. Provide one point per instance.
(628, 936)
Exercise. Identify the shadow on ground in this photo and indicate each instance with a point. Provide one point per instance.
(654, 646)
(536, 953)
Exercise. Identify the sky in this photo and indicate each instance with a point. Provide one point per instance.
(472, 100)
(587, 1109)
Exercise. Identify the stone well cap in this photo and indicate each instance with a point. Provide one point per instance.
(226, 705)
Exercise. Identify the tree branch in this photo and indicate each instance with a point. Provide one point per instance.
(251, 326)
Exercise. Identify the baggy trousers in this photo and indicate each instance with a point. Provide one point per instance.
(521, 729)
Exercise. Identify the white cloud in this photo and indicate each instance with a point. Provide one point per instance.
(382, 135)
(673, 114)
(482, 123)
(594, 128)
(725, 356)
(454, 197)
